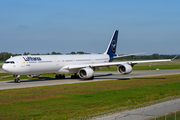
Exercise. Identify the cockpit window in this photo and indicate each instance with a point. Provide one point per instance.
(10, 62)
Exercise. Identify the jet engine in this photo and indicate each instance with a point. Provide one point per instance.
(33, 76)
(124, 69)
(86, 73)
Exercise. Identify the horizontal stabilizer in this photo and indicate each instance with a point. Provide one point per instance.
(174, 58)
(128, 55)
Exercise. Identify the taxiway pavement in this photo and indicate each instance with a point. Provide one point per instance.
(99, 76)
(146, 113)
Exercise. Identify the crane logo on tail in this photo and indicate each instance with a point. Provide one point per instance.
(113, 46)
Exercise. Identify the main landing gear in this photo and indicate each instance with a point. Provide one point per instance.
(75, 76)
(60, 76)
(17, 80)
(91, 78)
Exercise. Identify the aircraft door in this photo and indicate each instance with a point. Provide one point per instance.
(57, 62)
(23, 63)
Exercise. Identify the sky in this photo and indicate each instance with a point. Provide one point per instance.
(44, 26)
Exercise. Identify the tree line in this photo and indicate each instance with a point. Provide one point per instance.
(5, 55)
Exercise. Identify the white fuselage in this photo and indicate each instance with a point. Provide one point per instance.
(40, 64)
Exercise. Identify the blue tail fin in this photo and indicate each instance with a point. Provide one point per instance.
(111, 50)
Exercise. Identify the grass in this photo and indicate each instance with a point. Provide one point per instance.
(4, 74)
(75, 100)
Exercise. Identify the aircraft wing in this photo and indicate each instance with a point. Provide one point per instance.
(113, 64)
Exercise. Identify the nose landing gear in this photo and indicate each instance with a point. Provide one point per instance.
(17, 80)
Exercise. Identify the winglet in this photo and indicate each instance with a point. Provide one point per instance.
(174, 58)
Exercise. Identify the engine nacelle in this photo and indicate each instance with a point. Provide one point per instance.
(33, 76)
(124, 69)
(86, 73)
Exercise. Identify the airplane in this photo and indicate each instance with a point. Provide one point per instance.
(81, 66)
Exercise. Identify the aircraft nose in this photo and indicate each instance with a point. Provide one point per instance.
(6, 68)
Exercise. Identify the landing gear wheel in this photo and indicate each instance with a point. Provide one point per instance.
(60, 76)
(17, 80)
(91, 78)
(63, 76)
(57, 77)
(75, 76)
(72, 76)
